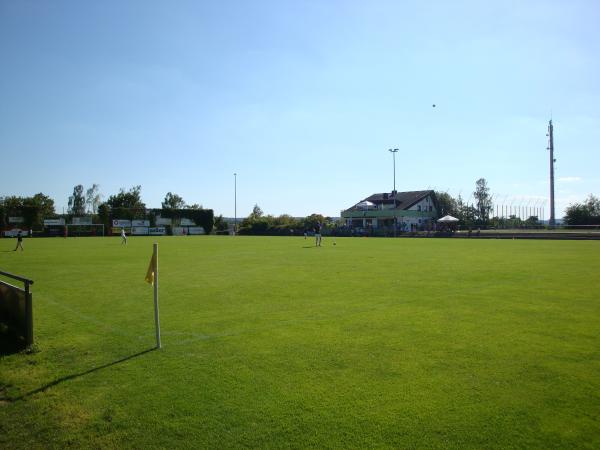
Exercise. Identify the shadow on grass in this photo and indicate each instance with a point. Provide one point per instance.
(73, 376)
(10, 343)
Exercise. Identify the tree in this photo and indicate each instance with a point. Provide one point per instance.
(311, 221)
(587, 213)
(484, 201)
(127, 204)
(173, 201)
(77, 201)
(13, 205)
(256, 212)
(32, 209)
(220, 224)
(446, 204)
(2, 213)
(104, 214)
(92, 199)
(131, 199)
(44, 203)
(36, 208)
(465, 213)
(532, 221)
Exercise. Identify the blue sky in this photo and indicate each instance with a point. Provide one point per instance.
(301, 99)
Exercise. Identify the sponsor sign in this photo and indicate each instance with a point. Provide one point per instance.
(195, 230)
(139, 231)
(121, 223)
(50, 222)
(118, 230)
(187, 223)
(15, 220)
(140, 223)
(179, 231)
(157, 231)
(82, 221)
(14, 232)
(163, 221)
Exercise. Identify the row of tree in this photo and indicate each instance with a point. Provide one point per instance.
(33, 210)
(126, 204)
(259, 223)
(586, 213)
(90, 202)
(476, 214)
(479, 213)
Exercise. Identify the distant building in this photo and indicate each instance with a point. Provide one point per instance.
(413, 210)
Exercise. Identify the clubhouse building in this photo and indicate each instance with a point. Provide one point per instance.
(410, 211)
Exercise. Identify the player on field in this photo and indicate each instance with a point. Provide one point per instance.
(19, 241)
(318, 234)
(123, 236)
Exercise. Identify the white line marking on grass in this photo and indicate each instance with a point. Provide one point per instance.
(92, 319)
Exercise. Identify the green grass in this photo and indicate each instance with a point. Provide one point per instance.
(272, 343)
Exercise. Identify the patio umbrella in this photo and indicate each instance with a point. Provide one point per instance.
(448, 219)
(365, 204)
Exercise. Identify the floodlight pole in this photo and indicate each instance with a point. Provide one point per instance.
(393, 152)
(234, 204)
(550, 135)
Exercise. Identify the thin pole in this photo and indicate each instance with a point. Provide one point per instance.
(156, 318)
(394, 151)
(551, 148)
(234, 204)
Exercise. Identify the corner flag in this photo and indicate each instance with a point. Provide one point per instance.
(152, 278)
(151, 270)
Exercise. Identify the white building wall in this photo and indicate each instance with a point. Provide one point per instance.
(424, 205)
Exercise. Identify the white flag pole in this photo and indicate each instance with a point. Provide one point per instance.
(156, 319)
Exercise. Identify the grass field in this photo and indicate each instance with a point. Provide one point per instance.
(273, 343)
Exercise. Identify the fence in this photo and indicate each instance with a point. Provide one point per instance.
(16, 309)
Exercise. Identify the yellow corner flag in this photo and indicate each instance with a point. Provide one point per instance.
(151, 270)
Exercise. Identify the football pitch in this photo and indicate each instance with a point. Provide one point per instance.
(270, 342)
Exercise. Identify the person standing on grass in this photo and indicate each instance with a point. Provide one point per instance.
(123, 236)
(19, 241)
(318, 234)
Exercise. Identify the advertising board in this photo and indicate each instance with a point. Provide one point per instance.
(14, 232)
(82, 221)
(139, 231)
(54, 222)
(121, 223)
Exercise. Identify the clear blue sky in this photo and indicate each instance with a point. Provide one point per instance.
(301, 98)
